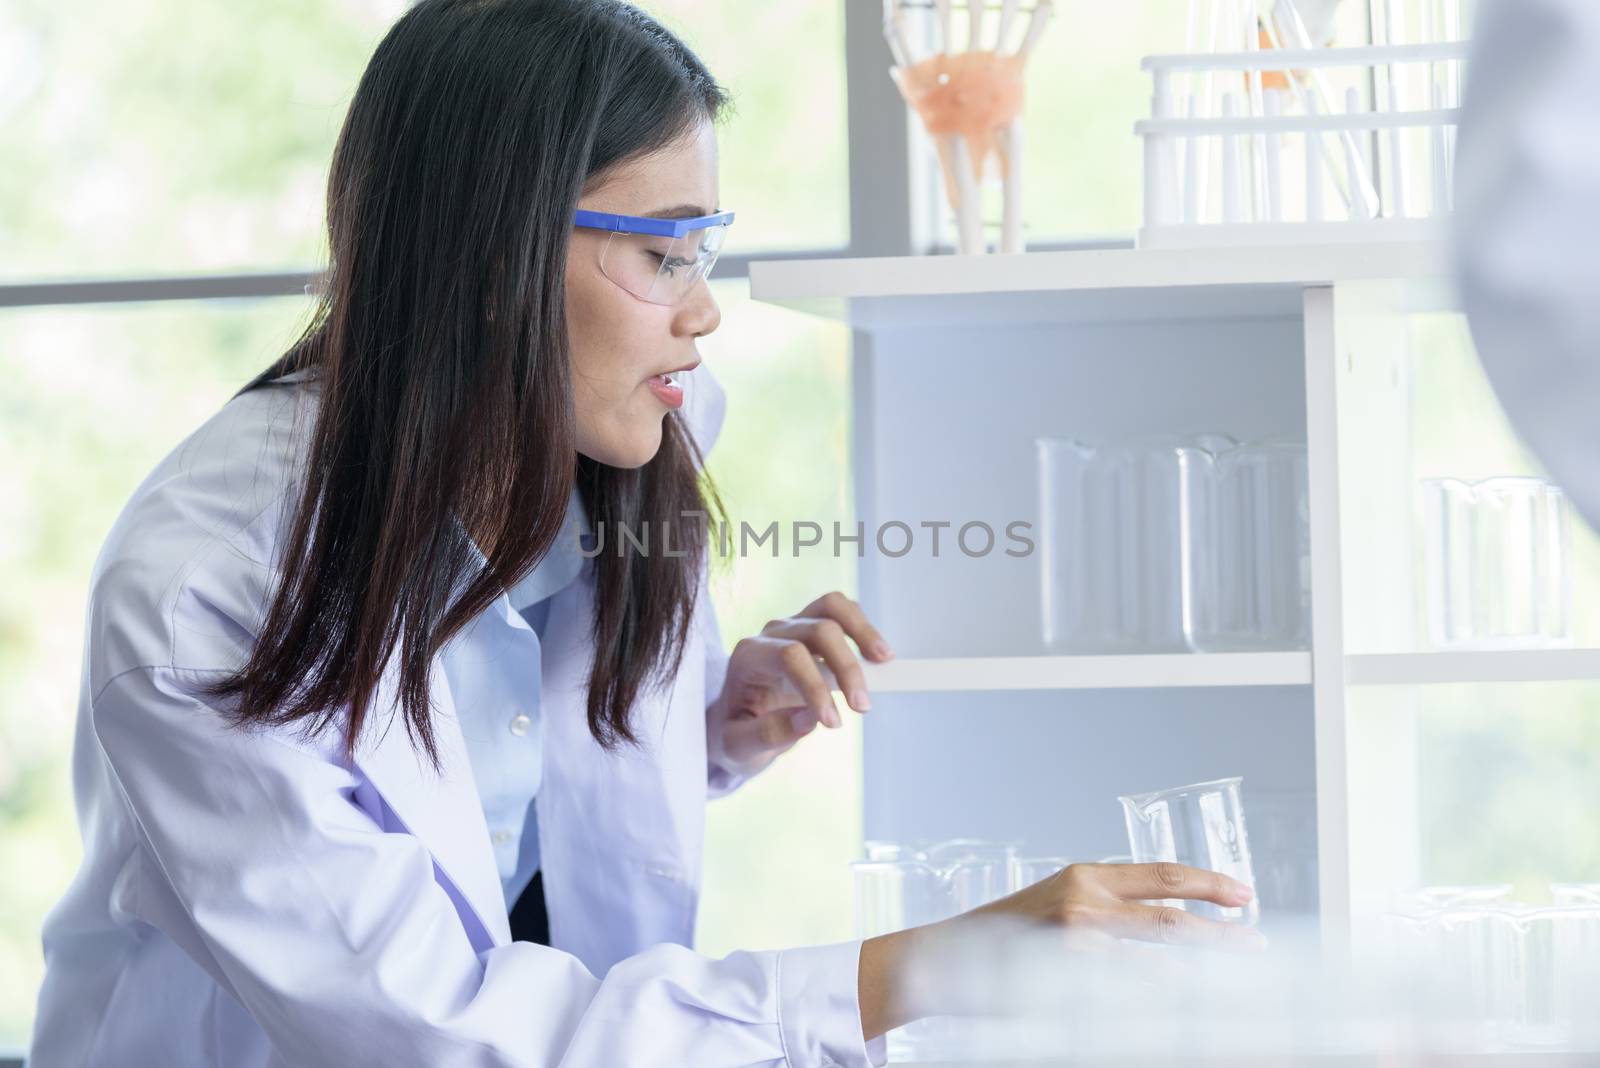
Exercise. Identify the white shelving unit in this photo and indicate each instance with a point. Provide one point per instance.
(960, 362)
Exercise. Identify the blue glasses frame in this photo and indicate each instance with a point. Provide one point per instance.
(645, 224)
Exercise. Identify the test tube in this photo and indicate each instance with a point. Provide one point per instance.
(1441, 157)
(1313, 164)
(1232, 166)
(1274, 108)
(1193, 176)
(1258, 177)
(1398, 171)
(1355, 159)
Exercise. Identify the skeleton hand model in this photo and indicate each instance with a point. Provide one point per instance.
(970, 103)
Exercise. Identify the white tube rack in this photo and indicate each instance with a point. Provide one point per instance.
(1302, 164)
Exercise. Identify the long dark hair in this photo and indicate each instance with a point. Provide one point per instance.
(441, 353)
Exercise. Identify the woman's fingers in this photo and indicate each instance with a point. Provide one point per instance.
(826, 638)
(1155, 882)
(825, 630)
(772, 732)
(1175, 927)
(849, 615)
(781, 657)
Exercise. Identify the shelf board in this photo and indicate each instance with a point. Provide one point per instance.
(1439, 668)
(1177, 670)
(1141, 671)
(1096, 285)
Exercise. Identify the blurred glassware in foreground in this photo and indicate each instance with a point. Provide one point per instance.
(1302, 1002)
(1526, 977)
(901, 885)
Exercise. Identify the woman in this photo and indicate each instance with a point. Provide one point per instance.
(350, 682)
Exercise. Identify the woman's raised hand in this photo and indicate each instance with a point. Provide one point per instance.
(776, 693)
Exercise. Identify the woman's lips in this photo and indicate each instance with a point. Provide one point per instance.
(668, 391)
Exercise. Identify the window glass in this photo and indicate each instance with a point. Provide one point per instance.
(173, 138)
(215, 158)
(1508, 786)
(783, 150)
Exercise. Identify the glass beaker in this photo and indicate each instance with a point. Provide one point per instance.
(1123, 526)
(1480, 958)
(1202, 826)
(1261, 551)
(1084, 554)
(1497, 562)
(906, 885)
(1559, 966)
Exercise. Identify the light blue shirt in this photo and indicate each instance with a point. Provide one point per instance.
(495, 679)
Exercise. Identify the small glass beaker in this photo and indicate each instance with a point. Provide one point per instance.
(1497, 562)
(1201, 826)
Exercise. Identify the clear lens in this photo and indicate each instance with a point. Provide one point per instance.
(661, 270)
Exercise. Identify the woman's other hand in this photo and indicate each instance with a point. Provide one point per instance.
(917, 972)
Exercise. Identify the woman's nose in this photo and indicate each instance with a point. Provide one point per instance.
(698, 315)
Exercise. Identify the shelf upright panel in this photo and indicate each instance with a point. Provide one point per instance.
(1372, 807)
(1327, 609)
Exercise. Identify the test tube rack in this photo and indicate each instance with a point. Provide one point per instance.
(1291, 146)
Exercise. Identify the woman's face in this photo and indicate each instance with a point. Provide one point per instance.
(620, 342)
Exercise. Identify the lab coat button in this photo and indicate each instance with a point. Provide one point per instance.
(520, 724)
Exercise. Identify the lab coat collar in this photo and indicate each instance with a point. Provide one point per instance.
(562, 563)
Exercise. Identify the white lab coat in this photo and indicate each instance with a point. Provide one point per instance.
(1527, 228)
(249, 899)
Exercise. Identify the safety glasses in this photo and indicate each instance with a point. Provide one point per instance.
(658, 260)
